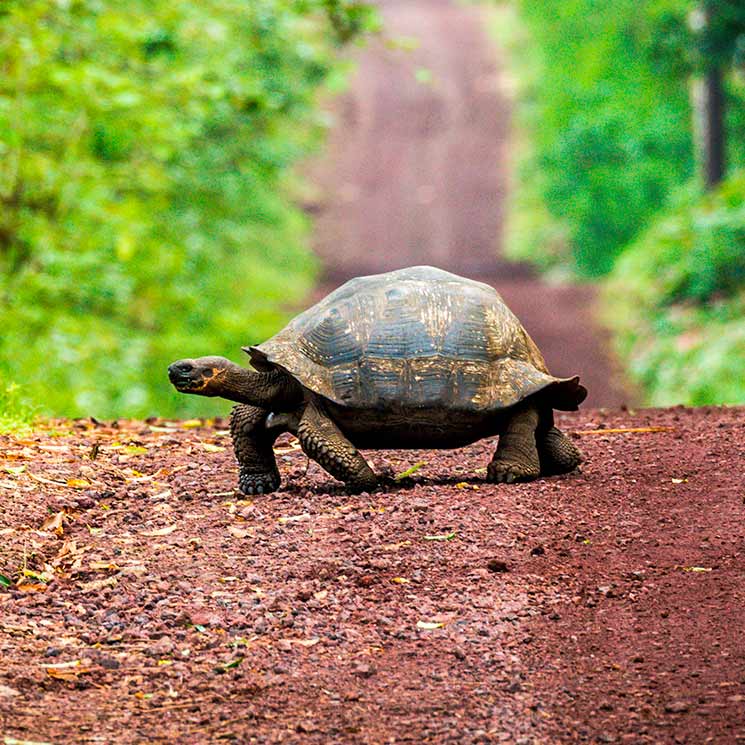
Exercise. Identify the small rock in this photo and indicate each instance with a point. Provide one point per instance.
(109, 663)
(676, 707)
(8, 692)
(497, 565)
(459, 654)
(260, 625)
(421, 505)
(537, 551)
(364, 670)
(162, 647)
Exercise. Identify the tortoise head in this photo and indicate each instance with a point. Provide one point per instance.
(203, 375)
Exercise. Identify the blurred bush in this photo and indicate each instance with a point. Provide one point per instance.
(676, 300)
(146, 195)
(604, 103)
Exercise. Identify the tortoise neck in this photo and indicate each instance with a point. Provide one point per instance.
(274, 390)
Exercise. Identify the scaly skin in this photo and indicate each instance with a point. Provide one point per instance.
(253, 442)
(557, 453)
(323, 441)
(516, 458)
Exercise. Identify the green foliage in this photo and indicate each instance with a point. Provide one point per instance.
(676, 300)
(15, 413)
(606, 108)
(146, 193)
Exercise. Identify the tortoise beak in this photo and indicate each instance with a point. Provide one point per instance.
(181, 374)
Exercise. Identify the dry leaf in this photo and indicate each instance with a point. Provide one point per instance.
(238, 532)
(622, 430)
(14, 470)
(212, 448)
(294, 518)
(31, 587)
(395, 546)
(53, 524)
(290, 447)
(429, 625)
(67, 670)
(98, 584)
(78, 483)
(160, 531)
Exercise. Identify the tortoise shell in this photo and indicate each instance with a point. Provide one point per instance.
(416, 338)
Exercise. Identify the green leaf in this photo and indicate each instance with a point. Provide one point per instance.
(410, 471)
(444, 537)
(5, 581)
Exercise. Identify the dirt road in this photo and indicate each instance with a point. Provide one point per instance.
(417, 172)
(157, 606)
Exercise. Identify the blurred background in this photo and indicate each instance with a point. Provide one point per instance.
(179, 178)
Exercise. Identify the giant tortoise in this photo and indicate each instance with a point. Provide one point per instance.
(415, 358)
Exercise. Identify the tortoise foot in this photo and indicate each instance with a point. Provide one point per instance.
(504, 471)
(368, 483)
(258, 483)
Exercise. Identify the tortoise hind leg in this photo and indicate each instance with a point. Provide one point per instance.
(516, 458)
(557, 453)
(253, 442)
(323, 441)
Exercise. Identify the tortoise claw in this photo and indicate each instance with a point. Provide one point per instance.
(258, 483)
(507, 472)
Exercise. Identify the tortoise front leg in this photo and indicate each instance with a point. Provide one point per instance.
(323, 441)
(516, 458)
(253, 444)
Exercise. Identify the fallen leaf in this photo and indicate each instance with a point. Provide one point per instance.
(15, 470)
(679, 481)
(67, 670)
(238, 532)
(78, 483)
(395, 546)
(230, 665)
(445, 537)
(401, 580)
(293, 518)
(53, 524)
(429, 625)
(696, 569)
(160, 531)
(135, 450)
(31, 587)
(410, 471)
(210, 448)
(98, 584)
(621, 430)
(192, 423)
(5, 581)
(290, 447)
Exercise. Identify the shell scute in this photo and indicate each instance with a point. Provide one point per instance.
(416, 338)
